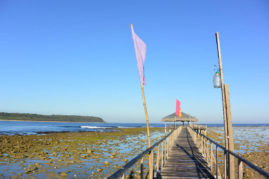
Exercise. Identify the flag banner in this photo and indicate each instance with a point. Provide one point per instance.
(140, 52)
(177, 107)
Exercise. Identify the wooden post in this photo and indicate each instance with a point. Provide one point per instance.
(158, 160)
(217, 172)
(169, 141)
(152, 160)
(148, 133)
(165, 128)
(162, 156)
(197, 138)
(141, 168)
(225, 164)
(202, 145)
(168, 145)
(211, 158)
(165, 149)
(207, 152)
(230, 132)
(223, 97)
(240, 169)
(205, 141)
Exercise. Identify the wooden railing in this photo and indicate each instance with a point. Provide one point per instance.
(205, 145)
(198, 127)
(159, 152)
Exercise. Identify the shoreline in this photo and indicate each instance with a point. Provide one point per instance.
(112, 130)
(49, 121)
(208, 125)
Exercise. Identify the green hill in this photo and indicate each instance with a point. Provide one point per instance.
(38, 117)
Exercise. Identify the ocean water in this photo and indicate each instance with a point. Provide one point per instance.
(31, 128)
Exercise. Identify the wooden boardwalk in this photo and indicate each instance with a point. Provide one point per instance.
(185, 160)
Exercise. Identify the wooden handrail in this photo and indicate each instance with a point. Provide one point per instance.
(212, 158)
(240, 159)
(166, 143)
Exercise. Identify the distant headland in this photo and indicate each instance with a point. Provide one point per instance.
(48, 118)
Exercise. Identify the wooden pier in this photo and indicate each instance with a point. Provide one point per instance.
(185, 160)
(185, 152)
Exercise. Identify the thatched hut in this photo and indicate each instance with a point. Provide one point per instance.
(185, 118)
(174, 118)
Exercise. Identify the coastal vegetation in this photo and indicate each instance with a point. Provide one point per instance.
(49, 118)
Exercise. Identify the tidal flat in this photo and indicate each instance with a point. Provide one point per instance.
(71, 154)
(99, 154)
(252, 143)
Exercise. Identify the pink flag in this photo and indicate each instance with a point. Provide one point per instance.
(140, 52)
(177, 107)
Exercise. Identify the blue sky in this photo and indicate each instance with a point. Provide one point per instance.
(77, 57)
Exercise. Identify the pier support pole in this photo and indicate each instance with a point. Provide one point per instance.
(228, 131)
(223, 104)
(165, 128)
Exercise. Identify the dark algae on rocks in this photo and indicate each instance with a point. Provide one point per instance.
(71, 154)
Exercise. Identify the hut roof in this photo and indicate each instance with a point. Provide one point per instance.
(185, 118)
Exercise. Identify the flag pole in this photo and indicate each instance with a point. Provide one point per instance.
(145, 108)
(146, 113)
(148, 132)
